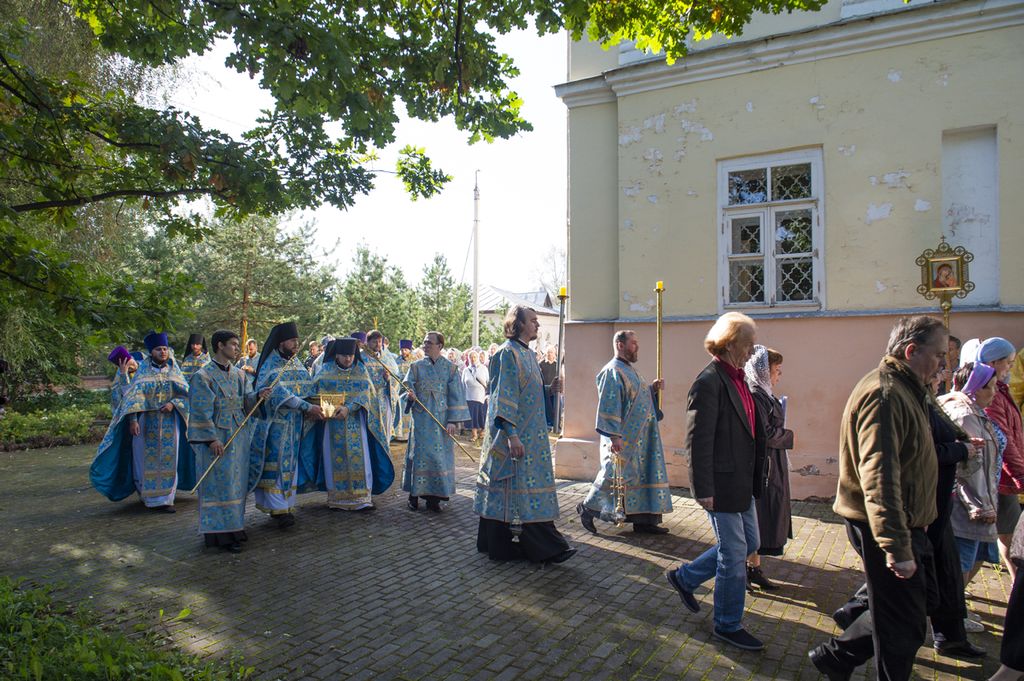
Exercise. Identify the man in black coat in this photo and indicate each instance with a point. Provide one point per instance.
(727, 446)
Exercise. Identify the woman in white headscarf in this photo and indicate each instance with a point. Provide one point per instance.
(774, 517)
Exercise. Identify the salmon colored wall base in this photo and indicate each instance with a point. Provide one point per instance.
(823, 359)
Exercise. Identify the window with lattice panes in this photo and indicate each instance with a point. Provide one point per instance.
(771, 230)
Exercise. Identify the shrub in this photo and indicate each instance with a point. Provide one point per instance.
(41, 641)
(68, 426)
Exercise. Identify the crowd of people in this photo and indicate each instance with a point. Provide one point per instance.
(931, 460)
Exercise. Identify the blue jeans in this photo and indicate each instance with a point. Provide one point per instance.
(727, 562)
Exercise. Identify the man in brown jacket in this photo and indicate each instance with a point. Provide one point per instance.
(886, 495)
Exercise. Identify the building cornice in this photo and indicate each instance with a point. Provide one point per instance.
(843, 38)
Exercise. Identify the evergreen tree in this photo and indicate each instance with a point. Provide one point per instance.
(447, 306)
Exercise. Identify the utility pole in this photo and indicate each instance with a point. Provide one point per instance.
(476, 259)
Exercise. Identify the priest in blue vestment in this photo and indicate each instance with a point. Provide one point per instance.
(403, 416)
(219, 399)
(627, 421)
(284, 432)
(195, 355)
(515, 490)
(383, 371)
(435, 389)
(351, 458)
(145, 448)
(127, 364)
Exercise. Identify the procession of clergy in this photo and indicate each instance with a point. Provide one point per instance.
(227, 423)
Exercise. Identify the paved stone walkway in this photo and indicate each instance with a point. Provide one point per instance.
(402, 595)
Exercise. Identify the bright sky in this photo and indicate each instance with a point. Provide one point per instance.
(522, 180)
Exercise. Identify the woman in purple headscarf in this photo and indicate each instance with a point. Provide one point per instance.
(976, 492)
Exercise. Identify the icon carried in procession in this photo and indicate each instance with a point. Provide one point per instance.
(329, 403)
(945, 274)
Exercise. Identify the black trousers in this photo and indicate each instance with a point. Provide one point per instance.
(1011, 652)
(894, 625)
(951, 609)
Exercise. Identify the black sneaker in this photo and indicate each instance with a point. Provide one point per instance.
(965, 650)
(687, 597)
(825, 663)
(756, 577)
(413, 503)
(739, 638)
(586, 518)
(284, 520)
(649, 529)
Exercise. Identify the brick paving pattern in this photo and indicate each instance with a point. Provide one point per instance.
(401, 595)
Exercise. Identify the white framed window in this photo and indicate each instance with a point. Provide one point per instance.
(771, 235)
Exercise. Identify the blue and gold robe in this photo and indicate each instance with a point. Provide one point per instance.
(251, 363)
(351, 459)
(281, 434)
(626, 409)
(523, 490)
(403, 418)
(118, 389)
(218, 403)
(430, 457)
(192, 364)
(386, 388)
(158, 460)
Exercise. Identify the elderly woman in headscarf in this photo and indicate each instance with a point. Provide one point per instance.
(999, 354)
(975, 492)
(774, 518)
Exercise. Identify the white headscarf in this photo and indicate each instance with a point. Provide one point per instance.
(758, 371)
(969, 351)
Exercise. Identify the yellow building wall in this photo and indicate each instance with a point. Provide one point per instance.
(874, 115)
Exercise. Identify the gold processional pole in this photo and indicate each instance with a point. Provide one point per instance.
(563, 296)
(945, 274)
(240, 426)
(417, 401)
(659, 289)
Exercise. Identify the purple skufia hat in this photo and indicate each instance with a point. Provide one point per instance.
(359, 335)
(118, 355)
(981, 374)
(405, 344)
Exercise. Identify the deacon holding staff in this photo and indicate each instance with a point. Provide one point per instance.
(219, 399)
(435, 392)
(627, 420)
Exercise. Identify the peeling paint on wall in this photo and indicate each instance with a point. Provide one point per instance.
(692, 193)
(695, 127)
(686, 107)
(895, 76)
(876, 213)
(943, 77)
(816, 103)
(657, 123)
(632, 190)
(636, 305)
(848, 150)
(880, 287)
(896, 180)
(922, 206)
(627, 224)
(629, 135)
(750, 107)
(831, 460)
(652, 198)
(654, 159)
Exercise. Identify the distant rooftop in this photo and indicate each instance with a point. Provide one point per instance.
(493, 299)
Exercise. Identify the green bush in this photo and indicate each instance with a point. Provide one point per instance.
(72, 397)
(40, 641)
(43, 428)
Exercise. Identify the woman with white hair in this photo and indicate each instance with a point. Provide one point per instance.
(727, 453)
